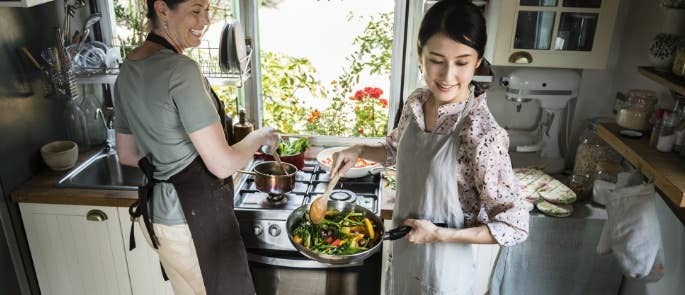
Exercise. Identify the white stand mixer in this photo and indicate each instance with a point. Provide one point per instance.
(554, 89)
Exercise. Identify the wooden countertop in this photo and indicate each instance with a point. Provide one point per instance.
(42, 189)
(666, 170)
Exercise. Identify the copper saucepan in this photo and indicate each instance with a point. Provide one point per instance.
(269, 178)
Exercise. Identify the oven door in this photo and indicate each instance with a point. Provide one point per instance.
(288, 272)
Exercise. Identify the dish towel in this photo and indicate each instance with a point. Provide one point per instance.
(632, 231)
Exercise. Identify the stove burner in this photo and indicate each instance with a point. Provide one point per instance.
(343, 195)
(277, 200)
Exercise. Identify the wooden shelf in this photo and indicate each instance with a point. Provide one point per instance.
(666, 170)
(667, 79)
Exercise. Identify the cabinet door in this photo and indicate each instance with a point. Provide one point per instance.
(76, 249)
(555, 33)
(143, 262)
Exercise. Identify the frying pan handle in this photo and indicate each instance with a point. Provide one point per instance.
(401, 231)
(246, 172)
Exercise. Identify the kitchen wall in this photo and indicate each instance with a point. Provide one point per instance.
(637, 23)
(28, 119)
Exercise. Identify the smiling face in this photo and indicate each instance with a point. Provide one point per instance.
(186, 22)
(448, 68)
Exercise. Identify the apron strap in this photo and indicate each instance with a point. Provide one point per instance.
(144, 204)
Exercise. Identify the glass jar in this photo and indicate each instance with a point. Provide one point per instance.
(592, 150)
(635, 114)
(607, 171)
(582, 186)
(678, 67)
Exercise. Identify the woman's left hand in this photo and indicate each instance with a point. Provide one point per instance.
(422, 231)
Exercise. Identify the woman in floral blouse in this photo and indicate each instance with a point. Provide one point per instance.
(452, 160)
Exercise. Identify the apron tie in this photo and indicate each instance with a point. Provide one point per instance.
(141, 207)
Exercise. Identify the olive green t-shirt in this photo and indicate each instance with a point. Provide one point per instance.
(160, 100)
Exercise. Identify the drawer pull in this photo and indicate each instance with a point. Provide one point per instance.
(96, 215)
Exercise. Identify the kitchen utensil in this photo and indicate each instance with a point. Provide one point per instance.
(298, 215)
(242, 128)
(232, 49)
(317, 209)
(353, 172)
(60, 155)
(90, 21)
(269, 179)
(278, 160)
(31, 58)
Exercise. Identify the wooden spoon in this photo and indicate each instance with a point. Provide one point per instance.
(280, 164)
(317, 209)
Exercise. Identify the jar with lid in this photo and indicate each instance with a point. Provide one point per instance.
(678, 67)
(636, 112)
(592, 150)
(667, 133)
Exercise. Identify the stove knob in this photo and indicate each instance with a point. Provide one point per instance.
(258, 230)
(274, 230)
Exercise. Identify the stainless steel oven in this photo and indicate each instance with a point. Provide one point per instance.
(277, 268)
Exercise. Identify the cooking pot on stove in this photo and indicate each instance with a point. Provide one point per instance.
(298, 215)
(269, 178)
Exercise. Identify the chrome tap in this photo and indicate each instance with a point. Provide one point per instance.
(109, 129)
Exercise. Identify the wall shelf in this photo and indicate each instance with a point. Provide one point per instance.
(667, 79)
(666, 170)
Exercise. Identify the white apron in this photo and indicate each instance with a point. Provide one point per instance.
(427, 168)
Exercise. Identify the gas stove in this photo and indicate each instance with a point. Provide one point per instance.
(262, 216)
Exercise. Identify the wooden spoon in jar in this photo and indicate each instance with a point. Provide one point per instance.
(317, 209)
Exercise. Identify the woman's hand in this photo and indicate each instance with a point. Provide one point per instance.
(344, 160)
(422, 231)
(267, 136)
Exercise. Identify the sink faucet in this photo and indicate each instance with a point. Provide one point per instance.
(110, 142)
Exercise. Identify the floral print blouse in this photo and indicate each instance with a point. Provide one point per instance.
(488, 188)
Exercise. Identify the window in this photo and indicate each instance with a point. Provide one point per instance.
(319, 67)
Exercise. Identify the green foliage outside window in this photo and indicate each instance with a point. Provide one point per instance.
(284, 77)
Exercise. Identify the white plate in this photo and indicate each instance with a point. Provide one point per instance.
(352, 173)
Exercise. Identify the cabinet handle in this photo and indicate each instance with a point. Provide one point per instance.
(520, 57)
(96, 215)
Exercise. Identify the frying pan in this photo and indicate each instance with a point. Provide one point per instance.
(298, 215)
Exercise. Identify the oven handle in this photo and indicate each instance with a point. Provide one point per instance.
(295, 263)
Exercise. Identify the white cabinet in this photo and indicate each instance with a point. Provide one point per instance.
(76, 249)
(22, 3)
(554, 33)
(143, 263)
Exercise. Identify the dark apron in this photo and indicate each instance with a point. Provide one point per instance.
(208, 208)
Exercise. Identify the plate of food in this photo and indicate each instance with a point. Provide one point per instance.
(361, 167)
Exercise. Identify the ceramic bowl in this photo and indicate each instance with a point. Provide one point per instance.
(60, 155)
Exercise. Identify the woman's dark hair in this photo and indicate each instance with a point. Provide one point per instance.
(152, 15)
(460, 20)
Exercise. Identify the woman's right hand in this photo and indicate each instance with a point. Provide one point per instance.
(268, 136)
(344, 160)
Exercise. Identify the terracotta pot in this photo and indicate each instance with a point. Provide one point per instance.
(296, 160)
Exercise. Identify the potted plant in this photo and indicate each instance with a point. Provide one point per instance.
(291, 150)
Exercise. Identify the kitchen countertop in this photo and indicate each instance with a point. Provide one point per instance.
(42, 188)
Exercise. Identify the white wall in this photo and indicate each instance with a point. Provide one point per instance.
(637, 23)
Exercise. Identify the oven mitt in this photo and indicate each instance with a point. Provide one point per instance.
(632, 231)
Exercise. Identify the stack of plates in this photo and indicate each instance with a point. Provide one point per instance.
(232, 49)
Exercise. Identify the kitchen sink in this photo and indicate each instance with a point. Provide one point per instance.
(103, 171)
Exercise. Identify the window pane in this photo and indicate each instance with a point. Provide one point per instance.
(576, 31)
(583, 3)
(538, 2)
(327, 73)
(534, 30)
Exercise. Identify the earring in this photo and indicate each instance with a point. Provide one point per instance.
(166, 25)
